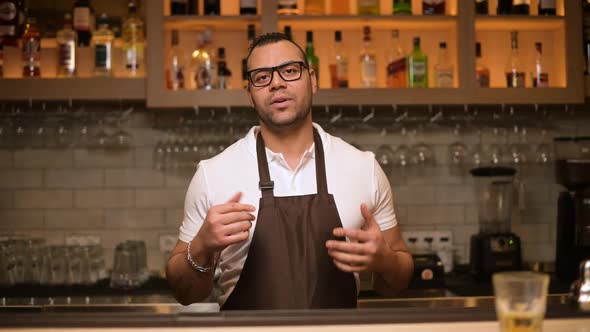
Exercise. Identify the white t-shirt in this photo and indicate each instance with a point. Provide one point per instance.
(354, 177)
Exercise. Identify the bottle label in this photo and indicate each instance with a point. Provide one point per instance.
(444, 78)
(542, 81)
(369, 70)
(287, 4)
(82, 19)
(133, 56)
(547, 4)
(515, 80)
(339, 73)
(396, 66)
(102, 56)
(66, 55)
(31, 51)
(483, 79)
(419, 71)
(248, 3)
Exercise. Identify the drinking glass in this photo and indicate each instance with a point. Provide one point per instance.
(521, 299)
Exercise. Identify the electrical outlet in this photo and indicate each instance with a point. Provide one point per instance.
(421, 241)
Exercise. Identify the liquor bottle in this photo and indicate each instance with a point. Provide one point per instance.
(433, 7)
(31, 49)
(251, 36)
(66, 49)
(102, 42)
(312, 59)
(287, 7)
(340, 7)
(368, 7)
(504, 7)
(396, 63)
(133, 41)
(83, 17)
(179, 7)
(248, 7)
(402, 7)
(368, 61)
(443, 70)
(521, 7)
(482, 72)
(417, 67)
(175, 65)
(515, 77)
(339, 65)
(223, 73)
(212, 7)
(315, 7)
(288, 32)
(481, 7)
(203, 65)
(9, 22)
(541, 77)
(547, 7)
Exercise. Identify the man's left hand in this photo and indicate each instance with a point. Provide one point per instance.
(364, 250)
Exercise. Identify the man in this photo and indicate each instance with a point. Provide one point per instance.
(289, 215)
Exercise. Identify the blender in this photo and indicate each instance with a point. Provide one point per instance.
(495, 248)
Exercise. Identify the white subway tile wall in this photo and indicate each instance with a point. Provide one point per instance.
(118, 195)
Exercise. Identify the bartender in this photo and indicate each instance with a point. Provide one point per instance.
(289, 215)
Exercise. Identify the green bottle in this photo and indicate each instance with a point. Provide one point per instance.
(312, 59)
(417, 67)
(402, 7)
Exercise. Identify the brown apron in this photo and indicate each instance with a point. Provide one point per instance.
(288, 266)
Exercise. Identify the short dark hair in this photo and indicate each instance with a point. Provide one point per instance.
(272, 38)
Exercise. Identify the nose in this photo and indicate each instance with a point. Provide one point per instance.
(276, 80)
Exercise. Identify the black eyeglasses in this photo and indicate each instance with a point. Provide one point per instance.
(290, 71)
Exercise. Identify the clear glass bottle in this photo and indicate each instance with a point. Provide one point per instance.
(287, 7)
(443, 70)
(83, 21)
(175, 65)
(368, 61)
(417, 67)
(248, 7)
(396, 63)
(203, 65)
(481, 7)
(521, 7)
(31, 49)
(402, 7)
(133, 38)
(339, 65)
(368, 7)
(102, 43)
(541, 77)
(433, 7)
(515, 77)
(482, 72)
(312, 59)
(315, 7)
(547, 7)
(251, 36)
(223, 72)
(66, 49)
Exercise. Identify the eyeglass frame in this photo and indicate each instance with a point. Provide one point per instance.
(272, 72)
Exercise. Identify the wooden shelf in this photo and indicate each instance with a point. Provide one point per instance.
(411, 22)
(74, 88)
(519, 22)
(220, 23)
(215, 98)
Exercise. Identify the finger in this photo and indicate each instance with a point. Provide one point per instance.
(349, 259)
(237, 227)
(234, 217)
(233, 207)
(349, 268)
(236, 238)
(368, 216)
(351, 247)
(352, 234)
(236, 198)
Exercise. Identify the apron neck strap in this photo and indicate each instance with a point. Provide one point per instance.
(267, 186)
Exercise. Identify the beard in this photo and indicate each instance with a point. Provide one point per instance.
(278, 120)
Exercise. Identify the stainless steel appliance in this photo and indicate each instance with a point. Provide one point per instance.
(495, 248)
(572, 170)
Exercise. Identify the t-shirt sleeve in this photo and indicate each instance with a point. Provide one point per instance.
(383, 204)
(196, 205)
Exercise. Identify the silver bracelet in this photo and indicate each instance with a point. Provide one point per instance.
(202, 269)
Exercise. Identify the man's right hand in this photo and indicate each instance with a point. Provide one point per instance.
(225, 225)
